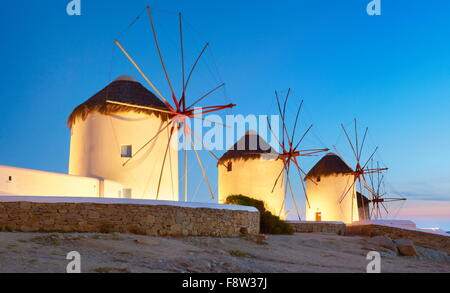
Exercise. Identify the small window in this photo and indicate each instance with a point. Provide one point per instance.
(318, 179)
(10, 178)
(126, 151)
(229, 166)
(126, 193)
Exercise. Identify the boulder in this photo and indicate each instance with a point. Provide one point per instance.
(145, 241)
(384, 242)
(405, 247)
(261, 237)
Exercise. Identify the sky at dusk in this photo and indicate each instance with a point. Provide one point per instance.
(391, 72)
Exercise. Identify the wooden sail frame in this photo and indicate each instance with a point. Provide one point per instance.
(359, 175)
(291, 151)
(178, 112)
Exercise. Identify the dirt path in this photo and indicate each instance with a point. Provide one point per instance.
(40, 252)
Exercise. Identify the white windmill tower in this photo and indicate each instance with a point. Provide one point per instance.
(248, 168)
(325, 183)
(125, 144)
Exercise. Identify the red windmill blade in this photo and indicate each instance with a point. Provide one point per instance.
(178, 112)
(290, 151)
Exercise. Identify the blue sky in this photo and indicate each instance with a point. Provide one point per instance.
(392, 72)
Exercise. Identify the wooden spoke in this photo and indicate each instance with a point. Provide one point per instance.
(296, 120)
(348, 138)
(279, 175)
(300, 171)
(205, 95)
(292, 194)
(203, 145)
(164, 161)
(384, 208)
(356, 140)
(276, 138)
(203, 170)
(193, 68)
(285, 102)
(301, 139)
(161, 57)
(142, 73)
(362, 143)
(284, 129)
(200, 111)
(182, 99)
(148, 142)
(345, 194)
(366, 185)
(210, 121)
(139, 107)
(337, 152)
(371, 177)
(284, 199)
(371, 156)
(185, 169)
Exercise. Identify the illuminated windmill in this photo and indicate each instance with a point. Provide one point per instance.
(361, 169)
(179, 111)
(291, 151)
(378, 197)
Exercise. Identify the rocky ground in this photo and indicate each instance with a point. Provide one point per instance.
(309, 252)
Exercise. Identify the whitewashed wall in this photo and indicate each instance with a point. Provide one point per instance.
(324, 197)
(254, 178)
(20, 181)
(95, 151)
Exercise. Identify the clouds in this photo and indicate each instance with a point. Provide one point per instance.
(427, 212)
(437, 188)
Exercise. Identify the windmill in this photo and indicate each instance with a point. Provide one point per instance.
(290, 150)
(378, 196)
(361, 168)
(179, 111)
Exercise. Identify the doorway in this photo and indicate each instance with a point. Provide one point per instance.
(318, 216)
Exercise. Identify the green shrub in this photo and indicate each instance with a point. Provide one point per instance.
(269, 224)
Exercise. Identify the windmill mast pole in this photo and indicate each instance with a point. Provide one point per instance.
(185, 167)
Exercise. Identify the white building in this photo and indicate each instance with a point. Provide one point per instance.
(250, 168)
(330, 192)
(109, 151)
(28, 182)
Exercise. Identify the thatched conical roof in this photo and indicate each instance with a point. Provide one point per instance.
(124, 89)
(329, 164)
(250, 146)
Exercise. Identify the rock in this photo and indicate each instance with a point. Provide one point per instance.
(145, 241)
(438, 256)
(405, 247)
(384, 242)
(243, 231)
(261, 237)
